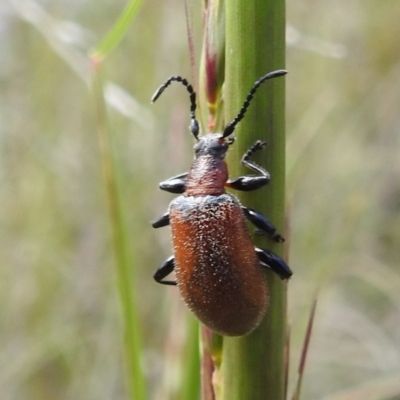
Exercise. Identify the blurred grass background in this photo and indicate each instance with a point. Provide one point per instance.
(60, 332)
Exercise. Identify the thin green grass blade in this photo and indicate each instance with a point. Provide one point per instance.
(135, 380)
(117, 32)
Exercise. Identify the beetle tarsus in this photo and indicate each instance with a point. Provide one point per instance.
(257, 146)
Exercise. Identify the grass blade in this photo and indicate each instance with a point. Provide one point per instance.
(304, 352)
(132, 343)
(117, 32)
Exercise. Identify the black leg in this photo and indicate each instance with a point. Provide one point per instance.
(162, 221)
(273, 262)
(176, 184)
(247, 183)
(262, 223)
(164, 270)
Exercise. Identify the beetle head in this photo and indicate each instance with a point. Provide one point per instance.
(212, 144)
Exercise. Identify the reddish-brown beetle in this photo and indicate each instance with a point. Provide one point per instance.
(218, 270)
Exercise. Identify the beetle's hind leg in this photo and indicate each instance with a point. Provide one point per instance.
(164, 270)
(248, 183)
(262, 223)
(273, 262)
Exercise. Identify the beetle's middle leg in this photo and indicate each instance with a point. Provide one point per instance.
(169, 264)
(262, 223)
(164, 270)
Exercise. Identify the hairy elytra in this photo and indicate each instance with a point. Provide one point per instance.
(219, 271)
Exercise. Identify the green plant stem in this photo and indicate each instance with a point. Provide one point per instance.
(190, 387)
(120, 239)
(253, 366)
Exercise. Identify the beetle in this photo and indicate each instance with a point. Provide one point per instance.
(219, 271)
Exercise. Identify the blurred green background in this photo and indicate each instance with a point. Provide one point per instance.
(60, 330)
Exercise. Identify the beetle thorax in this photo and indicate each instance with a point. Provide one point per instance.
(207, 176)
(209, 172)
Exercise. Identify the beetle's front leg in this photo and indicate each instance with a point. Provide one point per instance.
(247, 183)
(164, 270)
(262, 223)
(176, 184)
(273, 262)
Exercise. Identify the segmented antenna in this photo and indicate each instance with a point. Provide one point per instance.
(231, 126)
(194, 125)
